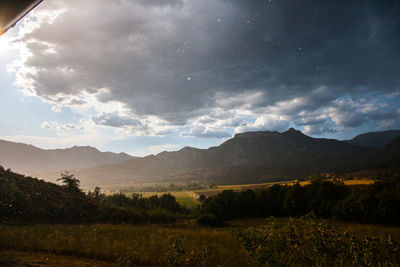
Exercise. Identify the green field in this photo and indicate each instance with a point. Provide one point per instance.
(105, 244)
(181, 197)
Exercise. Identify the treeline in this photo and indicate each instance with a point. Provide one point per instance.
(164, 188)
(378, 203)
(26, 199)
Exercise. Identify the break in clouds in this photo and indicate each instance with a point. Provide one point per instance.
(212, 67)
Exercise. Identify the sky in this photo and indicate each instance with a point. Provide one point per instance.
(143, 76)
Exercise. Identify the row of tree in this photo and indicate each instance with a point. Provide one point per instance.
(376, 203)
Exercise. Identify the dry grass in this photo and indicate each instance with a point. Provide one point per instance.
(149, 243)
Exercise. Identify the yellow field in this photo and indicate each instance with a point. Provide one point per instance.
(359, 182)
(220, 188)
(243, 186)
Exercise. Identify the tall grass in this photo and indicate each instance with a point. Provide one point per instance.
(145, 244)
(179, 244)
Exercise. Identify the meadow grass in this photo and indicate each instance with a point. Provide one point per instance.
(152, 244)
(187, 202)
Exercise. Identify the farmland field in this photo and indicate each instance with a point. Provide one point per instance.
(220, 188)
(184, 199)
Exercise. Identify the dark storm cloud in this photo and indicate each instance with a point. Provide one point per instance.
(179, 59)
(115, 120)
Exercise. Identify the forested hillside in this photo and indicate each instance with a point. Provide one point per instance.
(26, 199)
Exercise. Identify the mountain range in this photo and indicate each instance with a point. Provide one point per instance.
(27, 159)
(374, 139)
(247, 157)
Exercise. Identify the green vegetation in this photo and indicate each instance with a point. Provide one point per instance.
(209, 219)
(311, 242)
(171, 187)
(66, 221)
(185, 244)
(24, 199)
(135, 244)
(219, 188)
(378, 203)
(181, 197)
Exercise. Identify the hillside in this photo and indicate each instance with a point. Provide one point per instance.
(245, 157)
(375, 139)
(387, 156)
(31, 200)
(29, 159)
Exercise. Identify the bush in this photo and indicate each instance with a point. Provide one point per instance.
(208, 219)
(311, 242)
(160, 215)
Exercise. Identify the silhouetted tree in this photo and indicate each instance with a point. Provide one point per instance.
(70, 182)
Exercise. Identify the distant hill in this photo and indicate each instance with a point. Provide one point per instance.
(374, 139)
(28, 159)
(250, 156)
(389, 155)
(247, 157)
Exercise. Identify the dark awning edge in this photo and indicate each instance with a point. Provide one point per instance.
(20, 11)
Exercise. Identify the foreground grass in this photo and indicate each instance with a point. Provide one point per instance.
(146, 244)
(32, 258)
(151, 244)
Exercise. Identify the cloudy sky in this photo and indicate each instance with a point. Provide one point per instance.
(142, 76)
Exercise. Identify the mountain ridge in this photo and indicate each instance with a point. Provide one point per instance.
(374, 139)
(247, 156)
(26, 158)
(268, 152)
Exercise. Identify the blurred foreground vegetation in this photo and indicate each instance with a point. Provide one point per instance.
(243, 242)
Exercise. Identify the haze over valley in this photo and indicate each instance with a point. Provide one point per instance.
(246, 158)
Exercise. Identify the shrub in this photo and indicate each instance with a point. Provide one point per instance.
(208, 219)
(160, 215)
(311, 242)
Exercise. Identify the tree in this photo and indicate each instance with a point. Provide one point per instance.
(96, 194)
(70, 182)
(295, 202)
